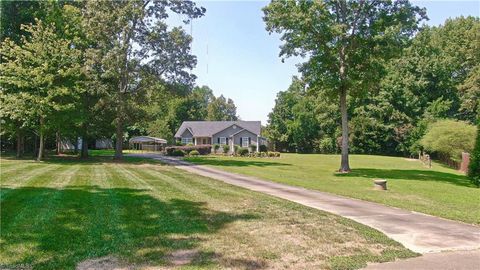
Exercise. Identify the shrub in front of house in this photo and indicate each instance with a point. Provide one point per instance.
(226, 148)
(263, 148)
(194, 153)
(271, 154)
(177, 153)
(253, 148)
(235, 149)
(216, 147)
(243, 151)
(203, 149)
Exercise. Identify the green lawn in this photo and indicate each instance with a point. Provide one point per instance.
(438, 191)
(58, 213)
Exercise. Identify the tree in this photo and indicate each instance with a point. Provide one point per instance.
(133, 42)
(450, 138)
(345, 43)
(16, 13)
(221, 109)
(38, 75)
(282, 114)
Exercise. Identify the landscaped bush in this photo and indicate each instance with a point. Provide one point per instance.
(203, 149)
(177, 153)
(263, 154)
(474, 168)
(194, 153)
(236, 148)
(255, 154)
(449, 138)
(243, 151)
(226, 148)
(263, 148)
(273, 154)
(215, 148)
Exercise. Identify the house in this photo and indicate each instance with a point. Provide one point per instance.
(241, 133)
(68, 145)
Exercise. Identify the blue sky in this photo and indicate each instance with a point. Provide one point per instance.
(239, 59)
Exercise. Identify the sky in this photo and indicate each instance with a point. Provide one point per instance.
(238, 58)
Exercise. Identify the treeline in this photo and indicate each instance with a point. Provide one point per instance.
(435, 77)
(97, 69)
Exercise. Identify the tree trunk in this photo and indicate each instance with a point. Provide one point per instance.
(57, 140)
(75, 146)
(119, 130)
(119, 142)
(42, 141)
(344, 165)
(84, 152)
(19, 144)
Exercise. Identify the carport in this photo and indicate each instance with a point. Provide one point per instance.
(147, 143)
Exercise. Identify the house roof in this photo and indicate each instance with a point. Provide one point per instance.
(209, 128)
(142, 139)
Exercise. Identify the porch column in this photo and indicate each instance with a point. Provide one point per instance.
(258, 147)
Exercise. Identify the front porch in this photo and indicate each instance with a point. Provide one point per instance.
(202, 140)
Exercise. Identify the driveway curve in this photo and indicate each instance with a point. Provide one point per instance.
(416, 231)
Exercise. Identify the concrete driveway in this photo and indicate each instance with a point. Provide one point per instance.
(419, 232)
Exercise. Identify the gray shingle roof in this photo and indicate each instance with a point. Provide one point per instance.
(209, 128)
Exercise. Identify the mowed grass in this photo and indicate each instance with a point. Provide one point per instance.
(59, 213)
(438, 191)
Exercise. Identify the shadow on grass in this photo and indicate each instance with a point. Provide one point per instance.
(75, 160)
(233, 162)
(419, 175)
(48, 228)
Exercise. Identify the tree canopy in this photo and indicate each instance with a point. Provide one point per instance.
(425, 83)
(345, 43)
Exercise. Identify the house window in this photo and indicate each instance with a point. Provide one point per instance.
(223, 140)
(245, 141)
(187, 140)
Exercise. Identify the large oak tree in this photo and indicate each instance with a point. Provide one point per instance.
(344, 43)
(134, 42)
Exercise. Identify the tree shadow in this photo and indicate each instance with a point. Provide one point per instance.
(421, 175)
(48, 228)
(75, 160)
(233, 162)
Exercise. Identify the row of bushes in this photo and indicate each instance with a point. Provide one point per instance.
(226, 148)
(243, 152)
(177, 151)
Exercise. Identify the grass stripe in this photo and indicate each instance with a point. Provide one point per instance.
(184, 187)
(14, 166)
(215, 189)
(27, 202)
(33, 178)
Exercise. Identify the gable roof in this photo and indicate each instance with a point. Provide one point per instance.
(209, 128)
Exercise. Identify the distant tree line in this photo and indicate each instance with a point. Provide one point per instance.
(97, 69)
(436, 76)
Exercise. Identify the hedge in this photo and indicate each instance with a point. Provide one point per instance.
(474, 168)
(203, 149)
